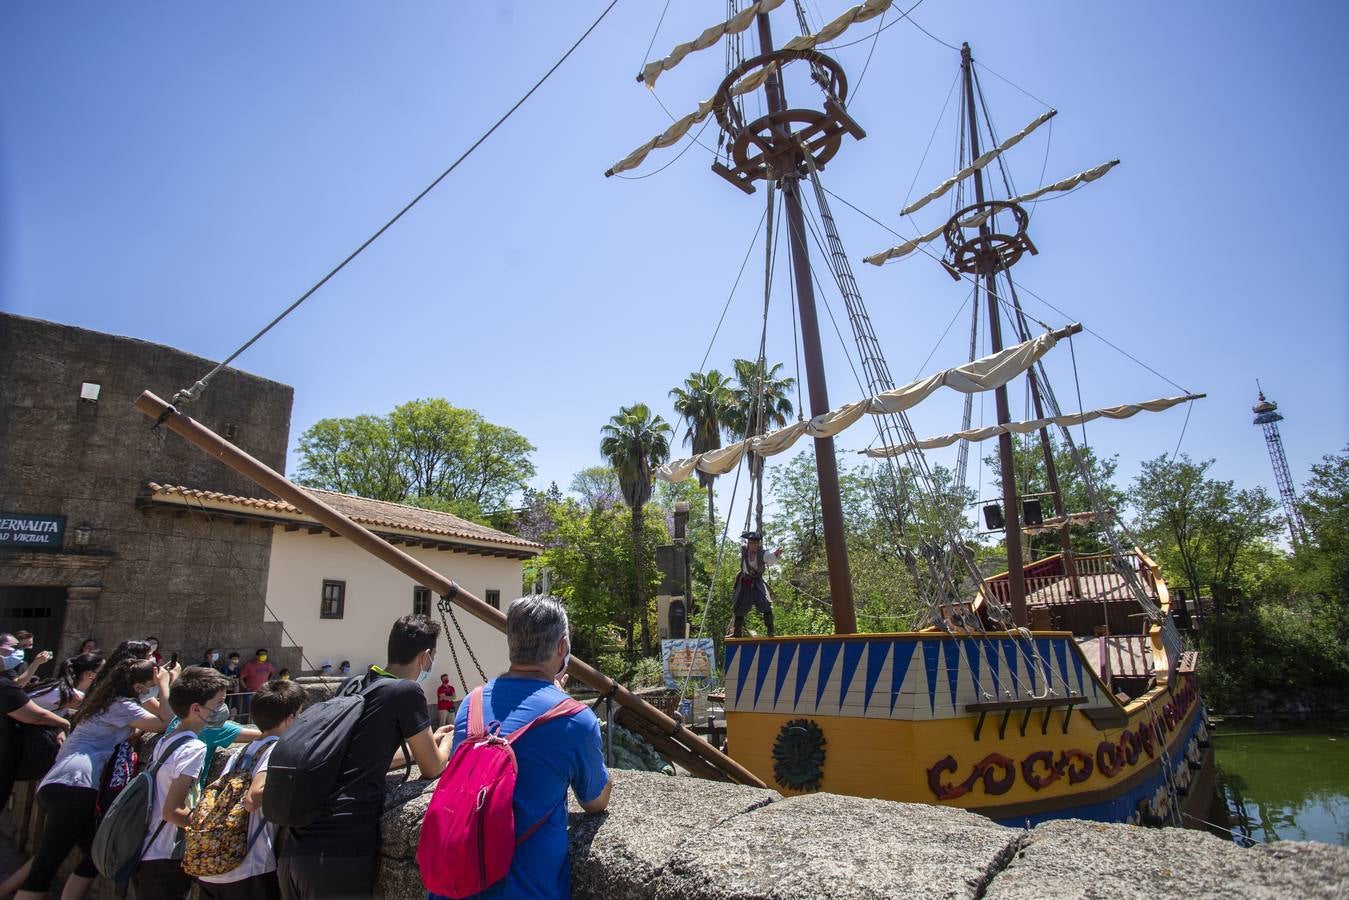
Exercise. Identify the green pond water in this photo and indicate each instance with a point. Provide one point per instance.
(1285, 785)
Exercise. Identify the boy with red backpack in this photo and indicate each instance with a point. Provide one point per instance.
(555, 743)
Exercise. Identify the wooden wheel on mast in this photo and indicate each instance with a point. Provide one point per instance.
(975, 246)
(777, 143)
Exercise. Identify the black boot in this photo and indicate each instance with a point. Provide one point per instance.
(768, 622)
(739, 627)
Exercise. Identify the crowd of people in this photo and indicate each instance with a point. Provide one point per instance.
(84, 733)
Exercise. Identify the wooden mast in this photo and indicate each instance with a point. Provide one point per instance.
(1016, 575)
(826, 464)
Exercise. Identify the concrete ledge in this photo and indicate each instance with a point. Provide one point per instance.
(826, 845)
(625, 851)
(1073, 858)
(687, 838)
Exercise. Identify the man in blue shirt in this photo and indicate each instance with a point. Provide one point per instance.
(561, 753)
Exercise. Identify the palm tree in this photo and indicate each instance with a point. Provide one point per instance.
(705, 401)
(762, 403)
(636, 443)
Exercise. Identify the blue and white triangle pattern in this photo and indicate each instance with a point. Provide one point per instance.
(929, 678)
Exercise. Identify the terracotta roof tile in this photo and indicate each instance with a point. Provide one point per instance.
(371, 513)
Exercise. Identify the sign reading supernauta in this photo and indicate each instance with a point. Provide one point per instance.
(20, 531)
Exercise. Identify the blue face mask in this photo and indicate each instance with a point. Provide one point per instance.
(12, 661)
(18, 653)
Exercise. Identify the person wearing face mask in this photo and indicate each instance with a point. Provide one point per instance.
(219, 730)
(69, 792)
(197, 698)
(210, 659)
(554, 756)
(337, 856)
(255, 673)
(154, 649)
(18, 709)
(345, 668)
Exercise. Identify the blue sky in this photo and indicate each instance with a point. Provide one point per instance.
(181, 172)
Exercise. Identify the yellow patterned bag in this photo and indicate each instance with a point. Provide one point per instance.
(217, 838)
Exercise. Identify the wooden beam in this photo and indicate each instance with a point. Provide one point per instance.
(213, 445)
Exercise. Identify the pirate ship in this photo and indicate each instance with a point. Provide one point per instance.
(1057, 688)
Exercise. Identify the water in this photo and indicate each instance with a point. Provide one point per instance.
(1287, 784)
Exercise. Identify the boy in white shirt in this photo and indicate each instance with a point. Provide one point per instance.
(275, 706)
(198, 699)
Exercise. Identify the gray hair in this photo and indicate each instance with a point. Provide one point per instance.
(534, 625)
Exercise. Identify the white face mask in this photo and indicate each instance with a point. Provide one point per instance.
(151, 694)
(213, 656)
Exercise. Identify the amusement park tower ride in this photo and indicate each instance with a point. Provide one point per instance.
(1267, 416)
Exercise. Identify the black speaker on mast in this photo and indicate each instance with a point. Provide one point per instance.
(1031, 512)
(993, 517)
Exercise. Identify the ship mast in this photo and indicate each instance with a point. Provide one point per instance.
(826, 463)
(1016, 575)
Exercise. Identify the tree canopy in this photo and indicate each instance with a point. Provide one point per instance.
(425, 452)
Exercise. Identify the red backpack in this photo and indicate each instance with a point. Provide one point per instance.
(468, 836)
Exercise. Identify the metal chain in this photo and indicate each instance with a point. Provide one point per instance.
(445, 605)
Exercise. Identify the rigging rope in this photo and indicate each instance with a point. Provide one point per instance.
(187, 394)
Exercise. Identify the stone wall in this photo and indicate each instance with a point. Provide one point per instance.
(190, 581)
(668, 837)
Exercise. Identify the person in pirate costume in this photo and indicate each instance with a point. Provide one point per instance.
(750, 590)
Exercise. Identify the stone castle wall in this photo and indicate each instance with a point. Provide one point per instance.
(188, 580)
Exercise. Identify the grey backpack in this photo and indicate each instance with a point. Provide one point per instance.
(120, 837)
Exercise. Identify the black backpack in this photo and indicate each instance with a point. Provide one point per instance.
(306, 762)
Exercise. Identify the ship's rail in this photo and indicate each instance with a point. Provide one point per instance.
(1097, 576)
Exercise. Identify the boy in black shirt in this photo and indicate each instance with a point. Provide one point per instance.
(337, 856)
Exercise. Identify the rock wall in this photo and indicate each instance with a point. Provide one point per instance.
(668, 837)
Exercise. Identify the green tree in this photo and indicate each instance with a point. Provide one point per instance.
(1324, 565)
(1032, 477)
(762, 403)
(426, 452)
(1199, 525)
(706, 402)
(598, 487)
(636, 443)
(353, 456)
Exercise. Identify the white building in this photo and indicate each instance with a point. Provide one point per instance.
(336, 602)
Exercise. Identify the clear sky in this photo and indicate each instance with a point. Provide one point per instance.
(180, 172)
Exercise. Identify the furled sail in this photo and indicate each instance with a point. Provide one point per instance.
(734, 25)
(982, 374)
(869, 9)
(1068, 184)
(905, 248)
(983, 160)
(1123, 411)
(979, 218)
(681, 126)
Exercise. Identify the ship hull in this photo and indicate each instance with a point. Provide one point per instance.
(1015, 726)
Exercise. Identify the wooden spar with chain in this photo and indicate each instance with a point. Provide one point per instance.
(665, 733)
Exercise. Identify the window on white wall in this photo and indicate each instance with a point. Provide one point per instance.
(494, 598)
(334, 601)
(421, 601)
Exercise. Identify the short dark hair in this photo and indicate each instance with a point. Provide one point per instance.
(197, 684)
(233, 654)
(23, 635)
(275, 702)
(411, 635)
(261, 650)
